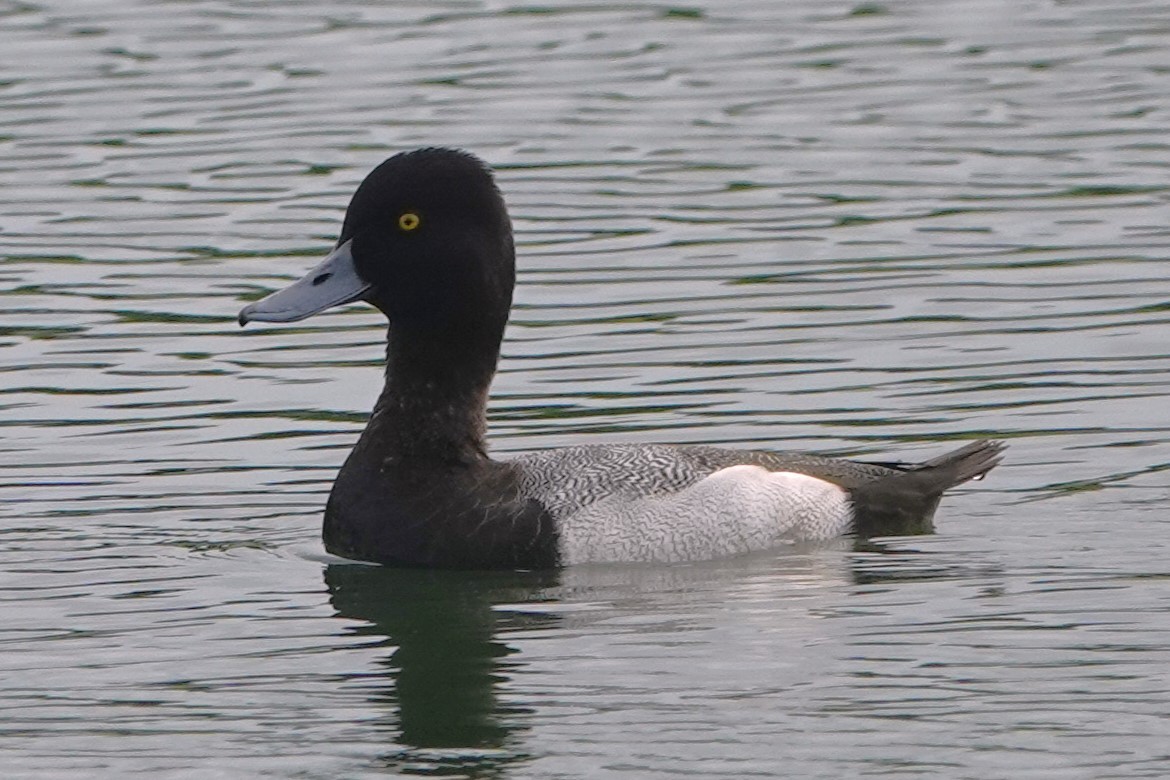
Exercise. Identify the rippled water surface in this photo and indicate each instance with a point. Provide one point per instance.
(853, 228)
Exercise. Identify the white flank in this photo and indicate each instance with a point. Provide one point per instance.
(734, 510)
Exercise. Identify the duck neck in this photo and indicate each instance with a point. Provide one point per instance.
(433, 406)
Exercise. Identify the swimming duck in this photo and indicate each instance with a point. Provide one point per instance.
(428, 241)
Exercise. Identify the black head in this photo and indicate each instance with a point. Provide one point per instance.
(426, 239)
(430, 232)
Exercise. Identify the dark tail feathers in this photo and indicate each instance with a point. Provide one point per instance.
(903, 503)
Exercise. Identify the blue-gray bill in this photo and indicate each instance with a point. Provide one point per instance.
(335, 281)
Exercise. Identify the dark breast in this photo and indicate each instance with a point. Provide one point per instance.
(426, 515)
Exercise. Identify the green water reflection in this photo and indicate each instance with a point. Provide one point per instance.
(443, 632)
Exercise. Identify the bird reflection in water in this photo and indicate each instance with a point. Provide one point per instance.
(446, 655)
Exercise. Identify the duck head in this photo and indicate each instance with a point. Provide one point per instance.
(427, 240)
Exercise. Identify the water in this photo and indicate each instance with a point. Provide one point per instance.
(852, 228)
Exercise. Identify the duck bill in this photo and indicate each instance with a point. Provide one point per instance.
(332, 283)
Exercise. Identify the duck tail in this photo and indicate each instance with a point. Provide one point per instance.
(903, 503)
(971, 461)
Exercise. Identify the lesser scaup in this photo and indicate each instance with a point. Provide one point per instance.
(427, 240)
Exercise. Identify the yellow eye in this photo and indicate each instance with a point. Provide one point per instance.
(409, 221)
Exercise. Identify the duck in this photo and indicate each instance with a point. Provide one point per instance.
(427, 241)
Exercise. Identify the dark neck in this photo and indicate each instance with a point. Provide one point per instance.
(433, 405)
